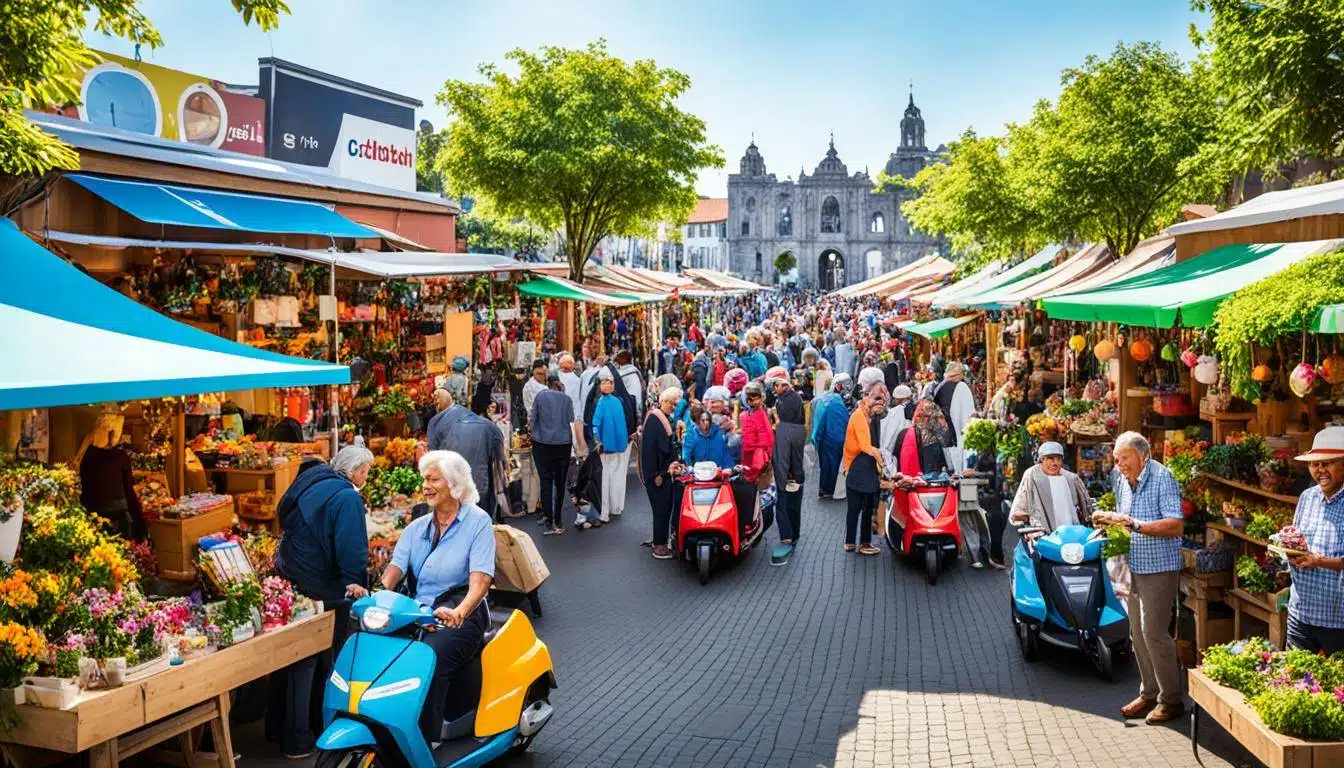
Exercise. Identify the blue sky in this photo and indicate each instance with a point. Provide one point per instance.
(790, 71)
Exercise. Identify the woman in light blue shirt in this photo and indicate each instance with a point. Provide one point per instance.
(445, 555)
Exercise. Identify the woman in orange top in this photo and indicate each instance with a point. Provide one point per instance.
(863, 472)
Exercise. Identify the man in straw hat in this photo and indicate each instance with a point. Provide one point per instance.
(1316, 609)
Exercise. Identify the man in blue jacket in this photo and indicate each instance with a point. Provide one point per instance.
(324, 552)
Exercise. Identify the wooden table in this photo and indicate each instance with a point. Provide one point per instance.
(1229, 709)
(1262, 607)
(114, 724)
(1200, 590)
(275, 479)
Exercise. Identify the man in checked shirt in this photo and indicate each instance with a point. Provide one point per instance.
(1316, 609)
(1148, 503)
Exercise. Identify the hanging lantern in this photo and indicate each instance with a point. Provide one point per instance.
(1189, 358)
(1206, 370)
(1332, 369)
(1261, 373)
(1077, 343)
(1170, 352)
(1302, 379)
(1104, 350)
(1141, 350)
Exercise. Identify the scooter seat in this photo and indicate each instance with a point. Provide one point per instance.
(497, 621)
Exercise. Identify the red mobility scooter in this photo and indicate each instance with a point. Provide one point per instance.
(710, 525)
(922, 523)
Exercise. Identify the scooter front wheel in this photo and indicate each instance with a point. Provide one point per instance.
(1104, 659)
(702, 555)
(346, 758)
(932, 564)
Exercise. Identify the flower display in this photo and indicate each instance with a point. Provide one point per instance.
(21, 648)
(1297, 693)
(277, 602)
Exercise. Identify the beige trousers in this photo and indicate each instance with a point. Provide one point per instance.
(1150, 599)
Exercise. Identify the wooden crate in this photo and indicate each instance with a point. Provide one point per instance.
(1229, 709)
(175, 540)
(103, 715)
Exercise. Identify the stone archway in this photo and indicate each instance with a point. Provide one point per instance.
(830, 270)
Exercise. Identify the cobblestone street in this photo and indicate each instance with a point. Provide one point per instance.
(832, 660)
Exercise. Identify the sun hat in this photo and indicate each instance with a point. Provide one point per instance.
(1050, 448)
(777, 372)
(953, 369)
(1328, 445)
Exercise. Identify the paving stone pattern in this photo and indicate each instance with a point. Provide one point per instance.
(833, 660)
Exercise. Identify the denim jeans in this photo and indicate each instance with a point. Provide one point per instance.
(1312, 638)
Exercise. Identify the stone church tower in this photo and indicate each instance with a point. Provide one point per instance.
(838, 228)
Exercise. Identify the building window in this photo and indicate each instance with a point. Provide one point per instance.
(878, 224)
(785, 225)
(746, 227)
(830, 215)
(704, 230)
(723, 230)
(758, 263)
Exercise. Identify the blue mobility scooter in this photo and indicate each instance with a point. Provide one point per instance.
(371, 708)
(1061, 595)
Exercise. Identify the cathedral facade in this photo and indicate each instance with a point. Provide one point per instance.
(837, 227)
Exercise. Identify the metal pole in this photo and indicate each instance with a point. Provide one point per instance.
(336, 357)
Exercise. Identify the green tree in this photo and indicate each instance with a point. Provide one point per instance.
(1278, 71)
(977, 199)
(580, 141)
(486, 231)
(428, 177)
(43, 57)
(785, 262)
(1123, 149)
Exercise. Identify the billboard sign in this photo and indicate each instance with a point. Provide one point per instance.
(353, 130)
(171, 104)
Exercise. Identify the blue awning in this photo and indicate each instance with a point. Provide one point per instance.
(67, 339)
(216, 209)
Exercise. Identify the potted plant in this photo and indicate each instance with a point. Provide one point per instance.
(21, 648)
(1276, 474)
(237, 614)
(391, 407)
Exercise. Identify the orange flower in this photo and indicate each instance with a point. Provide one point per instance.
(17, 592)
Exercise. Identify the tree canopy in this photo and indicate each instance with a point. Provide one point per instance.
(1278, 71)
(977, 199)
(43, 57)
(785, 261)
(1113, 160)
(578, 140)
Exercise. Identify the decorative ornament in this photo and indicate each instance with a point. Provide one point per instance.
(1104, 350)
(1261, 373)
(1189, 358)
(1206, 370)
(1332, 369)
(1077, 343)
(1141, 350)
(1170, 352)
(1302, 379)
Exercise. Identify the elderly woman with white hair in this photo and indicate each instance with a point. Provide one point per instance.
(448, 560)
(660, 454)
(324, 552)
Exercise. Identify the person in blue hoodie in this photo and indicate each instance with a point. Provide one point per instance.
(753, 361)
(830, 420)
(706, 442)
(611, 433)
(324, 552)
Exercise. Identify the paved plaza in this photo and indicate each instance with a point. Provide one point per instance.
(833, 660)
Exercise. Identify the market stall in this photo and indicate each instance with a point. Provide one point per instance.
(89, 641)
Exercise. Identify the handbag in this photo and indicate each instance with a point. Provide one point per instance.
(841, 491)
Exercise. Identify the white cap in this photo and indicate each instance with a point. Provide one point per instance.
(1050, 448)
(902, 392)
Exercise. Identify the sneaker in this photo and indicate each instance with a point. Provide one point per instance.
(780, 555)
(662, 553)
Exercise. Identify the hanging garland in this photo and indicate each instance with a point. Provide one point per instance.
(1264, 313)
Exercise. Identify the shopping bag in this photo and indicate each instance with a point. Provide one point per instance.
(840, 490)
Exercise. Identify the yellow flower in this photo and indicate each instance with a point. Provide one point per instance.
(16, 591)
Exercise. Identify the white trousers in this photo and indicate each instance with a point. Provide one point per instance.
(615, 472)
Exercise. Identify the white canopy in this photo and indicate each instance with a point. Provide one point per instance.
(1288, 204)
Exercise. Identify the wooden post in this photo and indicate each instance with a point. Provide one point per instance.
(177, 458)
